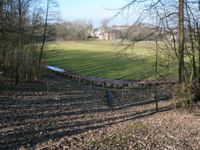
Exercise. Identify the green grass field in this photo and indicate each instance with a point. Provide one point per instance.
(105, 59)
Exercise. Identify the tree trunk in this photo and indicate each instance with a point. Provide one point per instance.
(18, 66)
(198, 47)
(1, 9)
(44, 34)
(192, 42)
(181, 41)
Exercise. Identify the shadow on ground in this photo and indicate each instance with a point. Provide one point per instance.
(31, 114)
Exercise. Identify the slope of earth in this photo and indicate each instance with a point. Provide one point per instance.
(36, 113)
(162, 131)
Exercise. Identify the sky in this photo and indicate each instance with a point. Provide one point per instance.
(93, 11)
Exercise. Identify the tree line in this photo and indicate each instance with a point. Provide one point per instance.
(23, 32)
(72, 30)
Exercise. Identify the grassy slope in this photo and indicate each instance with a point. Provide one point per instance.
(101, 59)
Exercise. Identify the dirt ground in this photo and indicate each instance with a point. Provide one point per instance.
(167, 130)
(61, 114)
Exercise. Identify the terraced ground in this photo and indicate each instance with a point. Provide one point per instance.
(107, 59)
(36, 115)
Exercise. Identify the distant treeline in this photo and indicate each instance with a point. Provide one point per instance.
(83, 30)
(64, 31)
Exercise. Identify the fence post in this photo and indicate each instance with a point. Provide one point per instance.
(47, 87)
(122, 94)
(156, 98)
(109, 95)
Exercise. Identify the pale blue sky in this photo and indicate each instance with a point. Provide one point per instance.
(92, 10)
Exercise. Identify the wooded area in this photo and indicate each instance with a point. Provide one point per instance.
(23, 26)
(178, 36)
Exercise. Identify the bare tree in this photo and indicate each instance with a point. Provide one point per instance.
(179, 38)
(21, 32)
(45, 31)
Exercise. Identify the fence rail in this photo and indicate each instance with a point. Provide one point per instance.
(108, 82)
(123, 93)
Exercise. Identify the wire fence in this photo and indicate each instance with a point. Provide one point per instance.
(114, 97)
